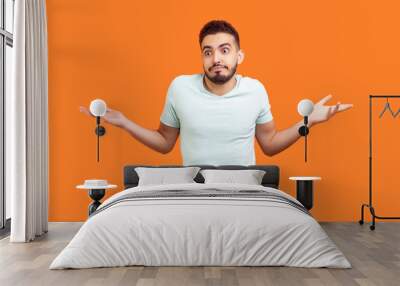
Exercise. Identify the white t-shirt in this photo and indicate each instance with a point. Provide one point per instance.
(214, 129)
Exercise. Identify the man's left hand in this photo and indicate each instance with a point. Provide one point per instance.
(323, 112)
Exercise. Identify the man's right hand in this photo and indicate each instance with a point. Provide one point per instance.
(113, 117)
(161, 140)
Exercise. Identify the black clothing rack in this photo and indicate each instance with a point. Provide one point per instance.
(369, 205)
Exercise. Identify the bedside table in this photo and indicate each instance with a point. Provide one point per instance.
(304, 190)
(96, 193)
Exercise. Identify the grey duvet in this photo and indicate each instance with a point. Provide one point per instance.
(201, 224)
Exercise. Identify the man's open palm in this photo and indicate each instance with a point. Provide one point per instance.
(323, 112)
(112, 116)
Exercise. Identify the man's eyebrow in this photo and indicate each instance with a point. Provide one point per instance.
(224, 44)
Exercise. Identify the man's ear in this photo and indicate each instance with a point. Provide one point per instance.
(240, 56)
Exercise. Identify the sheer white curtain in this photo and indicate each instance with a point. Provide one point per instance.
(27, 124)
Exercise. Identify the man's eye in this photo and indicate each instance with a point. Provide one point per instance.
(225, 51)
(207, 53)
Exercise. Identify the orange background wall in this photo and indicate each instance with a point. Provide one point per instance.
(127, 52)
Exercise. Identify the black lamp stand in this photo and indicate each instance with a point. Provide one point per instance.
(303, 131)
(100, 131)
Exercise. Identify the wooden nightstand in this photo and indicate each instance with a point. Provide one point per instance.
(304, 190)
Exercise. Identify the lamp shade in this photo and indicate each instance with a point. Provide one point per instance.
(98, 107)
(305, 107)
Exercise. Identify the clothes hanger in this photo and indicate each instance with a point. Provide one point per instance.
(397, 113)
(387, 106)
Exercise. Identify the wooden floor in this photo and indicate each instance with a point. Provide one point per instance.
(375, 256)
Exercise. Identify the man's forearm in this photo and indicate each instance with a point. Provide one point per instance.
(285, 138)
(151, 138)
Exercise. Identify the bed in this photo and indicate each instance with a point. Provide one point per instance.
(201, 224)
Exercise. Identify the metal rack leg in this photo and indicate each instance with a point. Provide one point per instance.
(371, 209)
(374, 216)
(361, 221)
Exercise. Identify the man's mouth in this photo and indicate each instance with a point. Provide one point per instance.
(218, 68)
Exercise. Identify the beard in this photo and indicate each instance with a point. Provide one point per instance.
(219, 78)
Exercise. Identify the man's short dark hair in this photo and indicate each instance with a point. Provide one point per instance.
(218, 26)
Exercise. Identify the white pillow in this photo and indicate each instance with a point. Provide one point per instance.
(249, 177)
(162, 176)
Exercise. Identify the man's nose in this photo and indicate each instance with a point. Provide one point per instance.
(216, 58)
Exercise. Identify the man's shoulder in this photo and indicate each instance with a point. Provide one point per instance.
(185, 79)
(181, 84)
(251, 83)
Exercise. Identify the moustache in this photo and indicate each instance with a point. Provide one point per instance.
(217, 66)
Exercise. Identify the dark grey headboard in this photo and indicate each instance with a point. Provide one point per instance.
(270, 179)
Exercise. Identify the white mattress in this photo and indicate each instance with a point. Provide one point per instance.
(200, 231)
